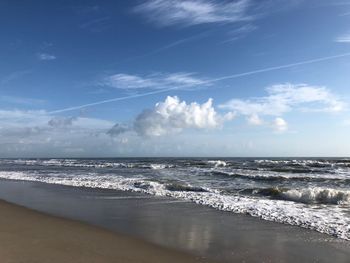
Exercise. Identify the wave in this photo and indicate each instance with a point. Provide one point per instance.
(317, 195)
(217, 163)
(316, 163)
(184, 188)
(326, 220)
(275, 176)
(91, 164)
(106, 164)
(146, 185)
(278, 166)
(314, 195)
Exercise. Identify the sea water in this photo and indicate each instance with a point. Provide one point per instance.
(310, 193)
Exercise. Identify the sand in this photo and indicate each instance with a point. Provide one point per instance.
(172, 225)
(30, 236)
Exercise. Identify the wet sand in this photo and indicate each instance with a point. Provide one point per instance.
(30, 236)
(183, 226)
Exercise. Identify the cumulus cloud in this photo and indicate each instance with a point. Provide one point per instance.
(284, 98)
(154, 81)
(29, 134)
(45, 56)
(194, 12)
(173, 115)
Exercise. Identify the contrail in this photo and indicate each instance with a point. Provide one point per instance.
(311, 61)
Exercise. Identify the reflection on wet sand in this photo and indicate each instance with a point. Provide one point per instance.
(182, 225)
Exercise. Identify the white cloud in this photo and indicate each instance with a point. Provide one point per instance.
(39, 134)
(343, 38)
(22, 118)
(154, 81)
(194, 12)
(45, 56)
(254, 119)
(284, 98)
(173, 115)
(16, 124)
(279, 124)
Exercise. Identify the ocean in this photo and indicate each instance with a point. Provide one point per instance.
(312, 193)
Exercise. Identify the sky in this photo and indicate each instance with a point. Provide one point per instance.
(166, 78)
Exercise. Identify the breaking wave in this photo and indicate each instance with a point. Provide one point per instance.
(307, 196)
(217, 163)
(292, 210)
(90, 164)
(317, 195)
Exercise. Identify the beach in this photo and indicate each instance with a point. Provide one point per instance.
(175, 131)
(159, 229)
(30, 236)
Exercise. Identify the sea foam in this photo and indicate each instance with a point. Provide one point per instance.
(330, 220)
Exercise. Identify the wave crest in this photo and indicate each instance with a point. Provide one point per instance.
(317, 195)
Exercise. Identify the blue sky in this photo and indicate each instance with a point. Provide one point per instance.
(174, 78)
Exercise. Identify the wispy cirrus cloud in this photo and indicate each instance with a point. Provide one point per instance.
(240, 32)
(14, 76)
(153, 81)
(97, 25)
(46, 56)
(343, 38)
(171, 45)
(194, 12)
(283, 98)
(206, 82)
(345, 14)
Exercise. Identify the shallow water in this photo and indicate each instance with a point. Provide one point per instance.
(310, 193)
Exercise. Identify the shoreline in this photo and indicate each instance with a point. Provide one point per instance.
(178, 225)
(31, 236)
